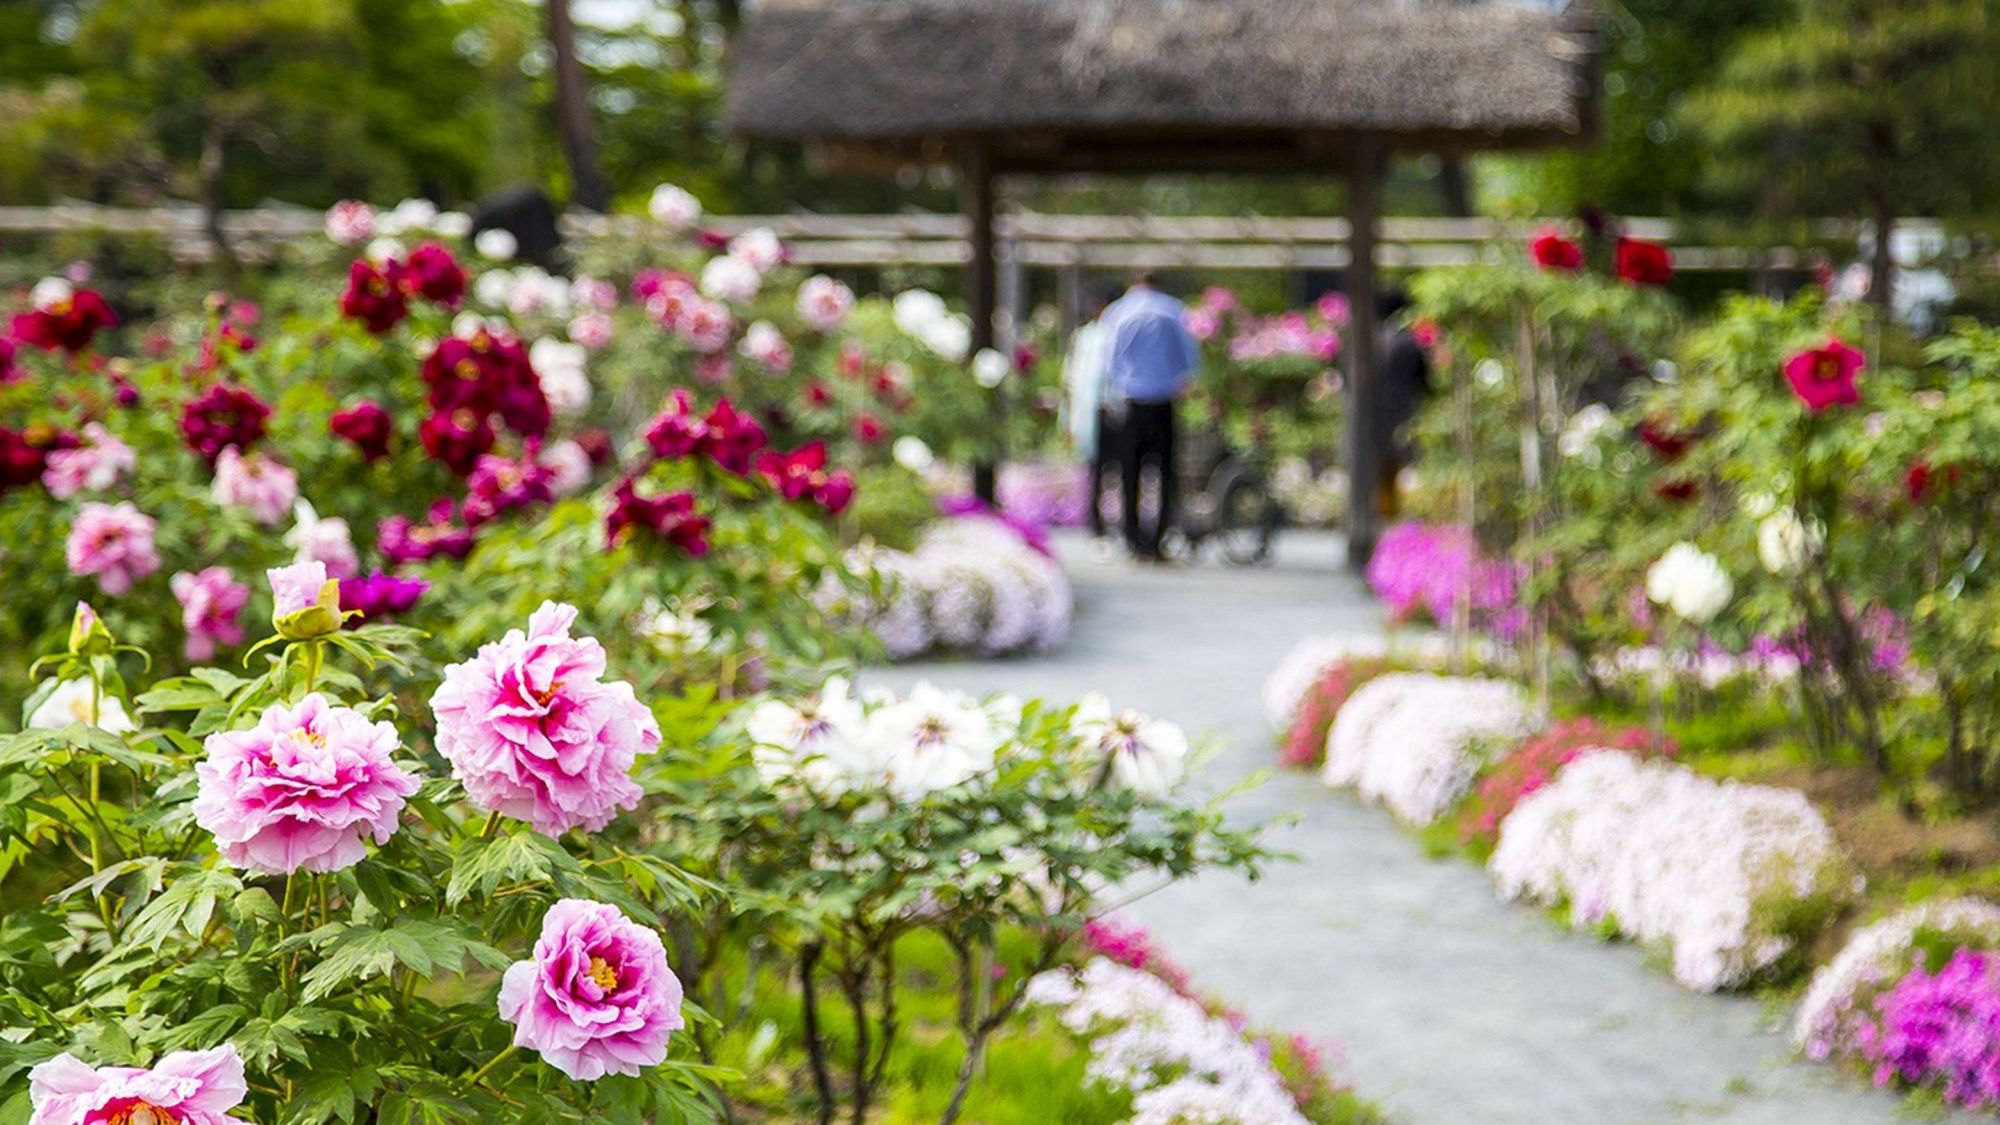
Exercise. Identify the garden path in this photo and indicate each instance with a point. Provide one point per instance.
(1453, 1006)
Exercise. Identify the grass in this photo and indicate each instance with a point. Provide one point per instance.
(1034, 1072)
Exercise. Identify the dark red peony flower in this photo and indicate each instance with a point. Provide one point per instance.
(597, 446)
(499, 484)
(379, 596)
(460, 376)
(433, 274)
(367, 425)
(1644, 263)
(1678, 491)
(457, 438)
(817, 396)
(869, 429)
(25, 453)
(223, 416)
(374, 296)
(1921, 481)
(802, 475)
(440, 535)
(1668, 443)
(9, 371)
(1551, 251)
(671, 517)
(734, 439)
(1826, 375)
(68, 322)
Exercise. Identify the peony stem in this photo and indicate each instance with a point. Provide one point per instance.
(492, 825)
(479, 1075)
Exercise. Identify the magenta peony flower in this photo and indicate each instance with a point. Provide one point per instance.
(598, 996)
(375, 295)
(534, 732)
(380, 596)
(367, 425)
(432, 273)
(211, 600)
(94, 466)
(1825, 376)
(671, 516)
(403, 540)
(302, 789)
(63, 317)
(113, 542)
(183, 1088)
(257, 484)
(221, 417)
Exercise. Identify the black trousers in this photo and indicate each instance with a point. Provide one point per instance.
(1105, 461)
(1148, 440)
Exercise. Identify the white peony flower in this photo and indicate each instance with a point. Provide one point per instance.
(411, 216)
(452, 224)
(911, 453)
(915, 310)
(676, 628)
(51, 292)
(1142, 754)
(1690, 582)
(729, 279)
(990, 368)
(327, 541)
(757, 248)
(1579, 437)
(565, 382)
(568, 465)
(823, 303)
(930, 741)
(764, 345)
(818, 742)
(496, 245)
(384, 250)
(674, 207)
(1784, 543)
(535, 292)
(950, 338)
(71, 703)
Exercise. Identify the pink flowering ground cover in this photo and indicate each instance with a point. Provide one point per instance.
(1534, 763)
(1941, 1030)
(1304, 745)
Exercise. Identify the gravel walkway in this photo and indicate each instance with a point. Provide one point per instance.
(1453, 1007)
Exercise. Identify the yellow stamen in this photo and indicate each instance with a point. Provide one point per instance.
(602, 972)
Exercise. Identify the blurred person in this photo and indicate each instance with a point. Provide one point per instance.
(1153, 358)
(1404, 382)
(1092, 431)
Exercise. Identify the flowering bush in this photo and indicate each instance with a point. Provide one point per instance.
(972, 585)
(856, 819)
(1289, 684)
(1842, 998)
(1421, 570)
(318, 916)
(1939, 1029)
(1304, 745)
(1720, 874)
(1534, 763)
(1270, 384)
(1414, 741)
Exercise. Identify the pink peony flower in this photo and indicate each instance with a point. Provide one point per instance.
(350, 222)
(183, 1088)
(257, 484)
(305, 600)
(598, 996)
(1825, 376)
(93, 466)
(210, 601)
(592, 329)
(302, 789)
(113, 542)
(534, 732)
(824, 303)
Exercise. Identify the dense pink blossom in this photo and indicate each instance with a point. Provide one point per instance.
(93, 466)
(380, 596)
(211, 600)
(824, 303)
(302, 789)
(441, 535)
(1941, 1029)
(183, 1088)
(597, 997)
(457, 438)
(114, 542)
(257, 484)
(1419, 567)
(534, 731)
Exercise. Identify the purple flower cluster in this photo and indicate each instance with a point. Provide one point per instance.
(1421, 569)
(1941, 1029)
(1040, 494)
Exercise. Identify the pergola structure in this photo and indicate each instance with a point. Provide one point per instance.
(1141, 87)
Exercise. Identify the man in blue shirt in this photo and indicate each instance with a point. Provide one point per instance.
(1153, 358)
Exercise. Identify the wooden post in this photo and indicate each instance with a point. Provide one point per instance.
(1364, 445)
(981, 280)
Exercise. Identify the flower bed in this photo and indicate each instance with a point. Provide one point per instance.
(1713, 871)
(1304, 744)
(1858, 1009)
(1534, 763)
(1415, 741)
(973, 585)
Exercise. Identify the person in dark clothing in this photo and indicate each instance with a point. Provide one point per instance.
(1093, 431)
(1153, 358)
(1404, 382)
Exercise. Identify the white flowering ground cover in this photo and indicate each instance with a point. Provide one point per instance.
(1181, 1064)
(972, 585)
(1415, 741)
(1700, 867)
(1875, 958)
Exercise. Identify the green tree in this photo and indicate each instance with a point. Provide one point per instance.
(1871, 109)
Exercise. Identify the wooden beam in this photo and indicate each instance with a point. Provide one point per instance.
(981, 275)
(1364, 443)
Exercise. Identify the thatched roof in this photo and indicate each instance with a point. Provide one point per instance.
(902, 73)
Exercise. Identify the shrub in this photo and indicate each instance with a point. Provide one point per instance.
(1414, 741)
(1841, 999)
(1534, 763)
(1304, 745)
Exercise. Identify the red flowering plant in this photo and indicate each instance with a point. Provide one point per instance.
(1536, 356)
(1534, 763)
(1304, 744)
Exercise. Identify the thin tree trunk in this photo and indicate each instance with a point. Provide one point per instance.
(1882, 271)
(587, 186)
(210, 170)
(1455, 187)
